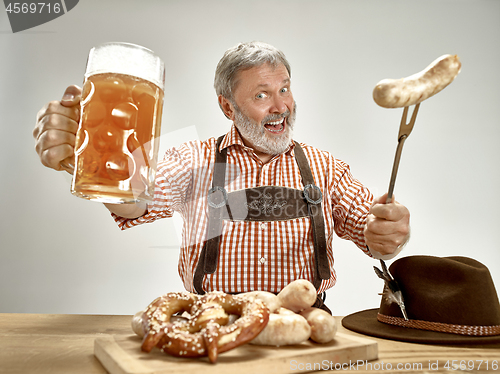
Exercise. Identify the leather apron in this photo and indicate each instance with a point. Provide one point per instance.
(265, 203)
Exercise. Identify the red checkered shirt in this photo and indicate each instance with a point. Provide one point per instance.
(254, 255)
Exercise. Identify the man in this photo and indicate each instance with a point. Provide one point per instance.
(269, 245)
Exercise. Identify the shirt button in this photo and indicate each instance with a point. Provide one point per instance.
(262, 260)
(262, 226)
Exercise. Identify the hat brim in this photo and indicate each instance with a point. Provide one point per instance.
(365, 322)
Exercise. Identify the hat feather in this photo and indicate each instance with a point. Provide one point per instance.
(392, 293)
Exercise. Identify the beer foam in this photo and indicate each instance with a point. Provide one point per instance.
(126, 58)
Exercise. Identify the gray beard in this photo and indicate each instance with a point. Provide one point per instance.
(258, 136)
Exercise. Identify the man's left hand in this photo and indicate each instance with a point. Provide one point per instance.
(387, 227)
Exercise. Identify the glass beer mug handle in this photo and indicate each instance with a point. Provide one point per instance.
(68, 165)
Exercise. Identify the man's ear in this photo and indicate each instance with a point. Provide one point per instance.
(227, 107)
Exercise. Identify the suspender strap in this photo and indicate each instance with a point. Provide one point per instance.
(313, 195)
(217, 199)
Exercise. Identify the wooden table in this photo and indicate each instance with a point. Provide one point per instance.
(52, 343)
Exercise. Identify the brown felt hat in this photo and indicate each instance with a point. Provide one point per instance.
(448, 300)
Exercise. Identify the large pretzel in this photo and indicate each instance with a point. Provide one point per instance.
(207, 331)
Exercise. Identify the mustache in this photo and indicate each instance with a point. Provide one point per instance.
(275, 117)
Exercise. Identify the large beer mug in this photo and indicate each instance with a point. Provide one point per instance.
(118, 136)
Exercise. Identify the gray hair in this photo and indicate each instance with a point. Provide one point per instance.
(242, 57)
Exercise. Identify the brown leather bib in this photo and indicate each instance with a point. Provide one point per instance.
(267, 203)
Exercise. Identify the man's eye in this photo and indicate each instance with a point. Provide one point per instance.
(284, 89)
(261, 96)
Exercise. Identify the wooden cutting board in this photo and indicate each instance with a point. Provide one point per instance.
(121, 354)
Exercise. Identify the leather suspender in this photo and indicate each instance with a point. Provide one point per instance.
(313, 195)
(217, 201)
(207, 263)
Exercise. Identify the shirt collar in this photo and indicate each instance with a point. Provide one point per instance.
(233, 137)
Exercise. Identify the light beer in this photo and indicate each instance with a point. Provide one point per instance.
(117, 140)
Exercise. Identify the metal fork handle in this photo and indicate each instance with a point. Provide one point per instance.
(404, 133)
(395, 167)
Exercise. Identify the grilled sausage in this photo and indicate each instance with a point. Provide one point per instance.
(398, 93)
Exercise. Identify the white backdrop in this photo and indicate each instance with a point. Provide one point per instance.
(62, 254)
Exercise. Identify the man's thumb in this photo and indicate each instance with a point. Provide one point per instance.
(71, 96)
(383, 199)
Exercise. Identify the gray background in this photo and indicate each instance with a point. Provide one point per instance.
(62, 254)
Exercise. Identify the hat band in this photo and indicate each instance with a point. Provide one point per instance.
(470, 330)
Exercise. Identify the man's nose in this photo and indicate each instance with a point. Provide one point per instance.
(278, 106)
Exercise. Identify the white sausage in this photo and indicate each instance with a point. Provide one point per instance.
(398, 93)
(284, 328)
(298, 295)
(137, 324)
(271, 300)
(323, 325)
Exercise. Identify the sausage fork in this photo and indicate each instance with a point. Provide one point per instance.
(404, 132)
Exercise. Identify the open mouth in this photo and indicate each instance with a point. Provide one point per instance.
(276, 127)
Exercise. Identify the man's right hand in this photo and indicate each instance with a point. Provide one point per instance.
(55, 130)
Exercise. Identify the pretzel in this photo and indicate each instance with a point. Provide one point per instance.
(206, 332)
